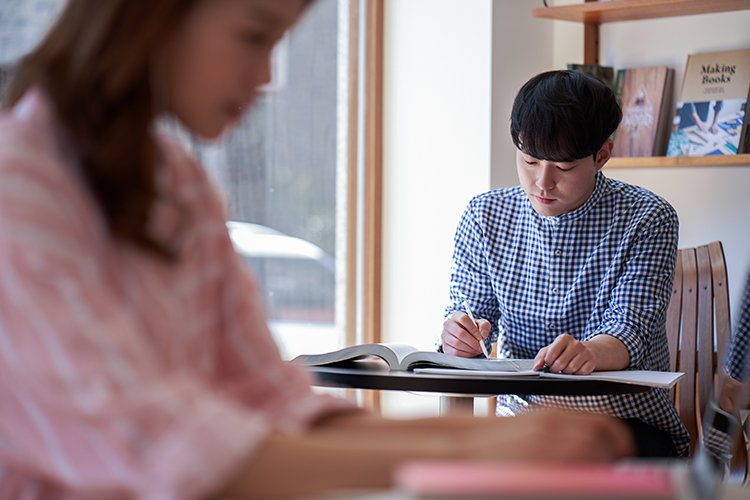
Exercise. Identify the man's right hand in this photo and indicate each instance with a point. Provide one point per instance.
(461, 338)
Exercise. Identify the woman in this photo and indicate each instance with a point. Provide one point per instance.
(136, 358)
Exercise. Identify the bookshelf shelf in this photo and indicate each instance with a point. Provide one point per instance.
(631, 10)
(742, 160)
(592, 13)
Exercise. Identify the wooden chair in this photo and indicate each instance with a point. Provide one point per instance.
(698, 331)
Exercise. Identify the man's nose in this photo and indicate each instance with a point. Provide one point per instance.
(546, 178)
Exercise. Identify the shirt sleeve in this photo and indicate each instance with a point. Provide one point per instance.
(736, 360)
(636, 312)
(470, 277)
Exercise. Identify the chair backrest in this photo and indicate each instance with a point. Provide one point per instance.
(698, 329)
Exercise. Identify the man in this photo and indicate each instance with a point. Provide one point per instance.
(570, 268)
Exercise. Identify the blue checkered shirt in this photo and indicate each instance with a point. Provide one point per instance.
(737, 362)
(606, 267)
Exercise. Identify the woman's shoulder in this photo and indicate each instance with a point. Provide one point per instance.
(39, 187)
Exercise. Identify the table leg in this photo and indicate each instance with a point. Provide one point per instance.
(456, 404)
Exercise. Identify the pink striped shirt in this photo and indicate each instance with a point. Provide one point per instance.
(122, 376)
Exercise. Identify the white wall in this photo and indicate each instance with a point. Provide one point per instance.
(713, 203)
(436, 156)
(521, 48)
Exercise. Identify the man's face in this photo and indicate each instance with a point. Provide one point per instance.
(556, 188)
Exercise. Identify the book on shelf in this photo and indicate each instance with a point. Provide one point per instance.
(645, 96)
(454, 479)
(619, 84)
(709, 117)
(605, 74)
(404, 357)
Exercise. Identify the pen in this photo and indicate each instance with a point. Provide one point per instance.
(471, 316)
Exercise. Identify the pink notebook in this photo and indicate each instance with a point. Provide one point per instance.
(486, 479)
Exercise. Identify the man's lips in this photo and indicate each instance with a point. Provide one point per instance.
(543, 200)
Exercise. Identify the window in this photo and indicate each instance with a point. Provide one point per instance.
(300, 173)
(302, 178)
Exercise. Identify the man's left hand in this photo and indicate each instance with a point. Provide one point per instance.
(566, 355)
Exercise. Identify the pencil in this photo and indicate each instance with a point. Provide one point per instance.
(471, 316)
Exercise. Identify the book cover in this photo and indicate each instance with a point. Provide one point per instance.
(619, 84)
(645, 96)
(709, 118)
(605, 74)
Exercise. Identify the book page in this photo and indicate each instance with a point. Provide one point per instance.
(637, 377)
(400, 356)
(431, 359)
(399, 349)
(391, 353)
(477, 373)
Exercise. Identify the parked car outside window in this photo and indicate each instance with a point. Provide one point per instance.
(297, 280)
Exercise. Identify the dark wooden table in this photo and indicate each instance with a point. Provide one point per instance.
(458, 392)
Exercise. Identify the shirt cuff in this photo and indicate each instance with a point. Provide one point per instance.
(630, 339)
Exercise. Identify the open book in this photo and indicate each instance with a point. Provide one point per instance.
(405, 357)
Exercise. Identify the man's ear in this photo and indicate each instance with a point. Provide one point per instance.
(604, 154)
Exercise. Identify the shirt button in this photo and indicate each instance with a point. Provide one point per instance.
(558, 252)
(552, 326)
(555, 291)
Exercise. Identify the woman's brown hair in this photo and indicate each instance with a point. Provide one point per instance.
(96, 65)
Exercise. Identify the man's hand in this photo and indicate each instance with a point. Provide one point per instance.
(566, 355)
(461, 338)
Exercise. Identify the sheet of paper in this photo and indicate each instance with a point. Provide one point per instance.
(637, 377)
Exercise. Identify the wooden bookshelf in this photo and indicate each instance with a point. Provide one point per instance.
(680, 161)
(631, 10)
(592, 13)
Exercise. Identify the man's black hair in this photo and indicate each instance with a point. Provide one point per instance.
(563, 116)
